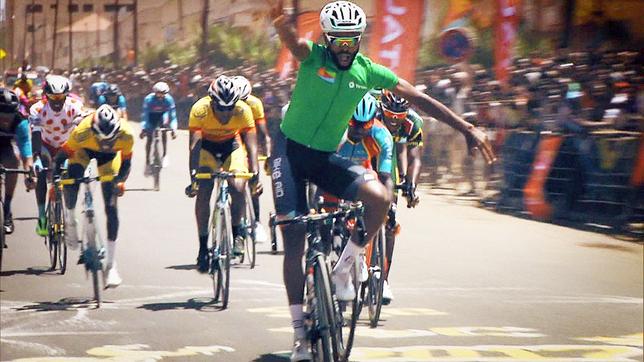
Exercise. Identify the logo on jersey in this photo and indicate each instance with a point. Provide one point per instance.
(353, 84)
(327, 75)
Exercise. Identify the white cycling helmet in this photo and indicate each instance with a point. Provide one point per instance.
(342, 17)
(57, 84)
(161, 87)
(106, 122)
(224, 91)
(244, 86)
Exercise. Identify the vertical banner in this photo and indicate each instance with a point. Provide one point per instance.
(506, 33)
(534, 198)
(308, 27)
(395, 36)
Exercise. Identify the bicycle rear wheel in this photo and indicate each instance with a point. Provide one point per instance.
(156, 165)
(2, 235)
(376, 279)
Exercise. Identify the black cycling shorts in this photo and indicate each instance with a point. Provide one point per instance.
(293, 165)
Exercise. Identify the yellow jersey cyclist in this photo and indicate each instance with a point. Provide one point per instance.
(219, 125)
(108, 139)
(257, 107)
(332, 79)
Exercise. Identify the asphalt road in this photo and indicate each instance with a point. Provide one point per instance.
(469, 285)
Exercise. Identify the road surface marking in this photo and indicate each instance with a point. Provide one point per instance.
(635, 340)
(385, 333)
(133, 353)
(498, 353)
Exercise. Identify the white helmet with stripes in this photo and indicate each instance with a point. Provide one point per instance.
(106, 123)
(342, 17)
(244, 86)
(224, 92)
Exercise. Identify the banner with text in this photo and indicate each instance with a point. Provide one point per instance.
(506, 33)
(395, 36)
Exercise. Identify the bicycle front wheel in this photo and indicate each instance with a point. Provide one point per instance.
(50, 240)
(60, 237)
(93, 261)
(323, 320)
(156, 165)
(251, 224)
(221, 257)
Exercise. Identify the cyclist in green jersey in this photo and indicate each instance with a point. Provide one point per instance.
(332, 79)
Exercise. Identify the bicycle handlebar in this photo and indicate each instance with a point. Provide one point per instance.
(223, 174)
(14, 170)
(85, 179)
(352, 209)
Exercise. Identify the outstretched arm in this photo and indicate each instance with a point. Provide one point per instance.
(287, 32)
(476, 139)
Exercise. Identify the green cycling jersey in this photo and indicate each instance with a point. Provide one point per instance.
(325, 97)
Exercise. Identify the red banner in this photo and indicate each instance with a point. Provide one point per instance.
(534, 198)
(308, 27)
(505, 36)
(395, 38)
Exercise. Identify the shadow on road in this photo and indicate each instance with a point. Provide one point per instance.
(270, 253)
(200, 304)
(182, 267)
(29, 271)
(25, 218)
(70, 303)
(272, 358)
(140, 189)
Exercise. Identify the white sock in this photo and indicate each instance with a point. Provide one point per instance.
(71, 217)
(297, 320)
(111, 249)
(349, 254)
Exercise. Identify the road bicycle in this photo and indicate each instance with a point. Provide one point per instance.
(330, 335)
(3, 172)
(55, 239)
(93, 246)
(156, 158)
(221, 249)
(248, 225)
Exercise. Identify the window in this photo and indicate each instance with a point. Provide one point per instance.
(72, 8)
(34, 8)
(88, 8)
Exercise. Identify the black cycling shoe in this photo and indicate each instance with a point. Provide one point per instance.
(8, 225)
(202, 263)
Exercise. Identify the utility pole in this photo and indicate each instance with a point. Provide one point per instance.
(53, 50)
(33, 33)
(115, 54)
(136, 31)
(180, 14)
(204, 28)
(71, 48)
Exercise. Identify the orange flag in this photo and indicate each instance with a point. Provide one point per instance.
(396, 35)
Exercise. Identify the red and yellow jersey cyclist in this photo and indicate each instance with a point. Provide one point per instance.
(219, 124)
(108, 139)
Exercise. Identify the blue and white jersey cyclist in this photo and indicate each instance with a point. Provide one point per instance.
(159, 110)
(368, 142)
(115, 98)
(14, 127)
